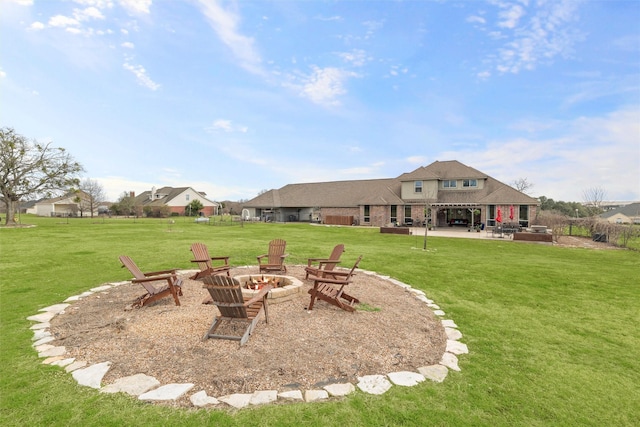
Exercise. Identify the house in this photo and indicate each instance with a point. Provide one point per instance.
(446, 193)
(176, 200)
(628, 214)
(73, 203)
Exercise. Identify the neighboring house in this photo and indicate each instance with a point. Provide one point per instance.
(70, 204)
(449, 193)
(629, 214)
(176, 199)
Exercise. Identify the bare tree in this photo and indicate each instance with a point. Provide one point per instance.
(29, 169)
(593, 198)
(522, 185)
(94, 194)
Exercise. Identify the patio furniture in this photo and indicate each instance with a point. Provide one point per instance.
(324, 264)
(330, 288)
(205, 262)
(226, 293)
(172, 288)
(275, 258)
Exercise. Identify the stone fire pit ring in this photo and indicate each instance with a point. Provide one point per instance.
(292, 287)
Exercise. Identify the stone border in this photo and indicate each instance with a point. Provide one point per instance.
(147, 388)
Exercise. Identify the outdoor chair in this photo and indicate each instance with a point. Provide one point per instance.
(172, 288)
(205, 262)
(325, 264)
(330, 288)
(236, 314)
(274, 260)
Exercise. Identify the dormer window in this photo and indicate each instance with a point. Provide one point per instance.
(469, 183)
(417, 187)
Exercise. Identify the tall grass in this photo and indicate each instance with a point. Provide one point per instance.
(552, 332)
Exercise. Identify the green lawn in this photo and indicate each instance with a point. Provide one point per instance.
(552, 332)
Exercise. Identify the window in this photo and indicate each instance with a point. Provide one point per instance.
(491, 215)
(418, 187)
(187, 197)
(523, 213)
(367, 213)
(407, 213)
(394, 214)
(469, 183)
(451, 183)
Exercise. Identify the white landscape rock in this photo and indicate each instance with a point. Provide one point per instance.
(200, 399)
(40, 333)
(101, 288)
(91, 376)
(291, 395)
(41, 325)
(167, 392)
(438, 312)
(63, 362)
(453, 334)
(42, 317)
(406, 378)
(448, 323)
(44, 340)
(75, 365)
(435, 373)
(56, 308)
(237, 400)
(450, 361)
(50, 351)
(134, 385)
(313, 395)
(264, 396)
(339, 389)
(374, 384)
(456, 347)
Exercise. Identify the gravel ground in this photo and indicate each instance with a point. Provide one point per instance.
(297, 349)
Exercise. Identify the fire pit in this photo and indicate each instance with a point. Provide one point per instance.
(284, 289)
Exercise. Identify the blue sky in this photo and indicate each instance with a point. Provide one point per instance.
(236, 97)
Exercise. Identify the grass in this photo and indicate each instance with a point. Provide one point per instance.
(552, 332)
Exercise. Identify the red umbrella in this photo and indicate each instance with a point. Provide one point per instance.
(499, 217)
(511, 212)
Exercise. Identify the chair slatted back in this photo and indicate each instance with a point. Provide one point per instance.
(277, 248)
(226, 293)
(137, 273)
(201, 254)
(335, 256)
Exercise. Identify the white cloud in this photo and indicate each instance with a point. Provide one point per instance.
(136, 7)
(324, 85)
(128, 45)
(22, 2)
(475, 19)
(226, 126)
(60, 21)
(141, 76)
(88, 13)
(225, 24)
(36, 26)
(2, 74)
(533, 34)
(356, 57)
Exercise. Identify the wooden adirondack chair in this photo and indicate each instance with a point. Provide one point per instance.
(172, 288)
(330, 288)
(205, 264)
(226, 293)
(325, 264)
(275, 257)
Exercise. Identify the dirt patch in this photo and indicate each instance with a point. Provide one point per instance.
(583, 242)
(297, 349)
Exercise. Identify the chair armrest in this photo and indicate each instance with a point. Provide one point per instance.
(200, 260)
(220, 258)
(257, 297)
(155, 278)
(328, 280)
(284, 256)
(156, 273)
(261, 256)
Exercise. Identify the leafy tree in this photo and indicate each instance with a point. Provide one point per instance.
(29, 169)
(193, 208)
